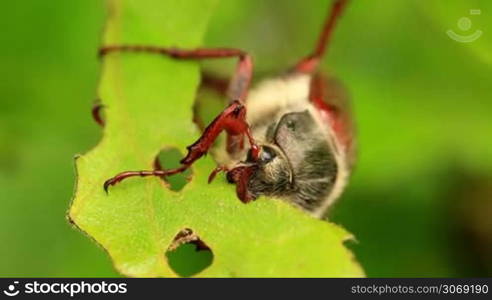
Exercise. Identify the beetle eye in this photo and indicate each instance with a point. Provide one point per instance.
(267, 154)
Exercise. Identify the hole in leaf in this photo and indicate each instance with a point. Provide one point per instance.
(188, 254)
(168, 159)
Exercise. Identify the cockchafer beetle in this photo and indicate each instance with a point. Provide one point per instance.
(298, 125)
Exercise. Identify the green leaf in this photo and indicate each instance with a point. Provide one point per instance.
(148, 101)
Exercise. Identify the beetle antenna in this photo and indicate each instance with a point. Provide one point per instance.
(311, 62)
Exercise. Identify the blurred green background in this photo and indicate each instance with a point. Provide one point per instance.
(420, 200)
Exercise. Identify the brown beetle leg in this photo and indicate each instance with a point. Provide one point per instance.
(240, 176)
(239, 84)
(216, 171)
(310, 63)
(123, 175)
(232, 120)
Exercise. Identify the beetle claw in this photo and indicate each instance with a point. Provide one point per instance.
(106, 185)
(109, 182)
(216, 171)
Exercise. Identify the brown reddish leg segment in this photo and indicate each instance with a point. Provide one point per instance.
(123, 175)
(232, 120)
(239, 84)
(310, 63)
(240, 176)
(216, 171)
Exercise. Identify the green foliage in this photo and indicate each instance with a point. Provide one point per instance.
(421, 101)
(148, 102)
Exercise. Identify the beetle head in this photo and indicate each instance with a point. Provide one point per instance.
(297, 163)
(269, 174)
